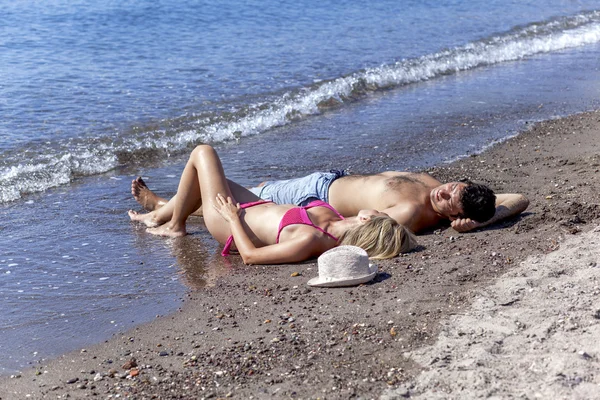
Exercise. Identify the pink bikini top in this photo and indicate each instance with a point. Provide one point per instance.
(299, 215)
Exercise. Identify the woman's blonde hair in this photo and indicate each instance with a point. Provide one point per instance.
(381, 237)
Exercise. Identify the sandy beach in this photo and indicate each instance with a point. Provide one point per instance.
(510, 311)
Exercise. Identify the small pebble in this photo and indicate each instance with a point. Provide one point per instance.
(130, 364)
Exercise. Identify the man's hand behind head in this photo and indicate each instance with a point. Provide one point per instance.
(464, 224)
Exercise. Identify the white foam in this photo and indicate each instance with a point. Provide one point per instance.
(51, 170)
(541, 38)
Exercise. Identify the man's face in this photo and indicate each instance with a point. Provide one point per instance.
(445, 199)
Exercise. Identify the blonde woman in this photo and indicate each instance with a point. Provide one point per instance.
(264, 232)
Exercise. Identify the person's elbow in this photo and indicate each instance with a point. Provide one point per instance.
(511, 204)
(523, 203)
(248, 259)
(252, 256)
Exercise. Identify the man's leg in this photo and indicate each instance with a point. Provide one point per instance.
(298, 191)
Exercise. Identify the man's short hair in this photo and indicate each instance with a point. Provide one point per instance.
(478, 201)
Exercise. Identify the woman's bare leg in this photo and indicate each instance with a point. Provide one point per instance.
(157, 217)
(150, 201)
(202, 179)
(173, 215)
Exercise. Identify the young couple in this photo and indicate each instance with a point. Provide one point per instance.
(295, 220)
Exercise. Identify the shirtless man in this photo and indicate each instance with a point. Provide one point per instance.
(416, 200)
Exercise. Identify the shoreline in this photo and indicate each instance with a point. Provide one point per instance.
(261, 332)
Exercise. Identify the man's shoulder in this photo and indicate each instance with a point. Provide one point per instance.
(415, 215)
(411, 205)
(405, 210)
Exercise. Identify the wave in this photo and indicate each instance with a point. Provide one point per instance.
(58, 165)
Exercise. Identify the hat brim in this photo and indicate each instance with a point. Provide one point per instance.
(340, 282)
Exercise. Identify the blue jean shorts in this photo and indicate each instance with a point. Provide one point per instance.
(299, 191)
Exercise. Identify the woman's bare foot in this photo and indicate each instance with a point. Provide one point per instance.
(146, 219)
(169, 230)
(146, 197)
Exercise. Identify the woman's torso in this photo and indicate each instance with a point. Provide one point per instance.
(261, 222)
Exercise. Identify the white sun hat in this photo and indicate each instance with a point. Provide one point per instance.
(344, 266)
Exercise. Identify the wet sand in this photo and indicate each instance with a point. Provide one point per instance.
(417, 330)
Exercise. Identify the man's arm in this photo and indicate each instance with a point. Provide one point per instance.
(507, 205)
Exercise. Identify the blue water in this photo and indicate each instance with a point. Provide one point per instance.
(93, 94)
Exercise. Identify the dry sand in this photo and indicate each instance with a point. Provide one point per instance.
(511, 311)
(532, 334)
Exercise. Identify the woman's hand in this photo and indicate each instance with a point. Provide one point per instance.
(225, 206)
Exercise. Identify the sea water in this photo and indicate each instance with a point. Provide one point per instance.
(93, 94)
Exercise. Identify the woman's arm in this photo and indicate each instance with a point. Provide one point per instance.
(290, 251)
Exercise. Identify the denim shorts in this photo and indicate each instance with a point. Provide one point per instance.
(299, 191)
